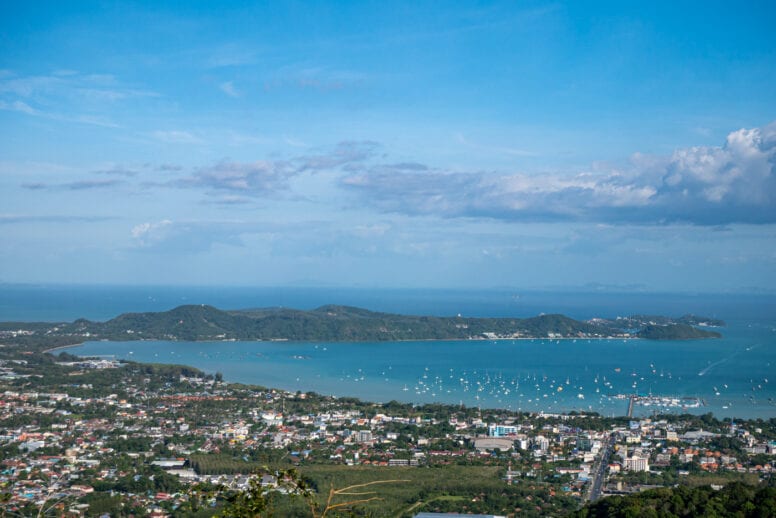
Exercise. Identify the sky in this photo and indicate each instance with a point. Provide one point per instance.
(622, 145)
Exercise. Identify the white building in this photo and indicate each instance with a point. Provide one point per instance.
(637, 464)
(500, 430)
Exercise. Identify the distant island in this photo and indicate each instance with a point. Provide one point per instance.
(350, 324)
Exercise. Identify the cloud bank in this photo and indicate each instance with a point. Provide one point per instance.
(715, 185)
(706, 185)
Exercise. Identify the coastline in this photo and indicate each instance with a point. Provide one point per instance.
(312, 342)
(61, 347)
(405, 340)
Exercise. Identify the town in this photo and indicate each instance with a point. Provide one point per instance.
(97, 437)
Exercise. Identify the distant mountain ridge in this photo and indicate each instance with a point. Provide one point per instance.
(346, 323)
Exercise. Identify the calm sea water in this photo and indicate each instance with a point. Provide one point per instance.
(733, 376)
(67, 303)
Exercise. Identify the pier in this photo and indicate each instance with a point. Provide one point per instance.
(683, 402)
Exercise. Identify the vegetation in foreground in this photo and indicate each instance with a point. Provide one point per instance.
(735, 499)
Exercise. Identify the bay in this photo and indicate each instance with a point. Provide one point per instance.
(731, 376)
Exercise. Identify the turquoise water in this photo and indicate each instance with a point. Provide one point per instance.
(728, 374)
(734, 376)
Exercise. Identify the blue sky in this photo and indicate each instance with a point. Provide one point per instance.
(444, 144)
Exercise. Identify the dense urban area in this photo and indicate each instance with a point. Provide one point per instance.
(101, 437)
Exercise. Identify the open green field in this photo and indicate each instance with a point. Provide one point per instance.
(405, 491)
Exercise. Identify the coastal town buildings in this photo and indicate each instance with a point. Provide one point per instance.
(83, 434)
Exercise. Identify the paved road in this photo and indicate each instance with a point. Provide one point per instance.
(600, 470)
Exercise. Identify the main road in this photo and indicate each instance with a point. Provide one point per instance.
(599, 470)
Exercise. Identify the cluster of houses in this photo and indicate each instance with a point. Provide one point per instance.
(73, 441)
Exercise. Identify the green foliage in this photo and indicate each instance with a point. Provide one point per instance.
(675, 332)
(692, 320)
(146, 479)
(339, 323)
(103, 503)
(259, 501)
(233, 464)
(735, 499)
(476, 488)
(131, 444)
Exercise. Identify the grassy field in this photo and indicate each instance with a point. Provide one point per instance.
(405, 491)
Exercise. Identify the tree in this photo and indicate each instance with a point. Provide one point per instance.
(254, 502)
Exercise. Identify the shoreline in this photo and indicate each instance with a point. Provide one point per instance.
(406, 340)
(59, 347)
(424, 340)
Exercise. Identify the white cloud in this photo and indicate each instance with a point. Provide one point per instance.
(149, 233)
(66, 95)
(19, 106)
(732, 183)
(69, 85)
(23, 107)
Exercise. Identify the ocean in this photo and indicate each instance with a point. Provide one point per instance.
(733, 376)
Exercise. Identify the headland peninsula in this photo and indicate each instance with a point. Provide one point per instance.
(346, 323)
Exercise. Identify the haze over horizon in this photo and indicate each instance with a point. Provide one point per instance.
(531, 144)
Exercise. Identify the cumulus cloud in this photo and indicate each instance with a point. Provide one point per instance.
(147, 233)
(714, 185)
(735, 182)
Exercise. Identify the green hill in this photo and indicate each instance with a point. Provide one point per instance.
(675, 332)
(346, 323)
